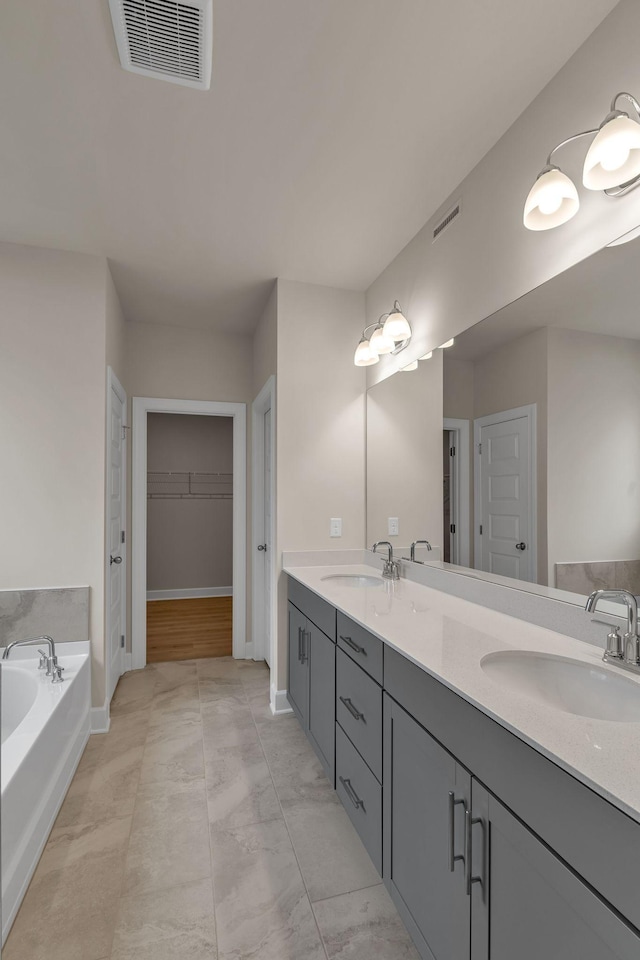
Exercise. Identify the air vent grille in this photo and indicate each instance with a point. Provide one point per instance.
(446, 220)
(167, 39)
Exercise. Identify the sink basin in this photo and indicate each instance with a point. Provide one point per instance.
(580, 688)
(354, 580)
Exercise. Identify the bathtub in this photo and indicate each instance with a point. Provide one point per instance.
(45, 728)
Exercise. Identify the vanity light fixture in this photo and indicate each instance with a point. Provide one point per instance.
(390, 333)
(427, 356)
(612, 165)
(447, 343)
(409, 367)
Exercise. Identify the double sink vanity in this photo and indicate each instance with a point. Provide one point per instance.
(491, 766)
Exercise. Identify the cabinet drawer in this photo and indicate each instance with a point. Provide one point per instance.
(361, 646)
(314, 607)
(359, 710)
(361, 795)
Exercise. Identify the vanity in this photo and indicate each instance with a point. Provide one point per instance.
(503, 817)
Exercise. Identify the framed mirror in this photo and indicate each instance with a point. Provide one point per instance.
(526, 467)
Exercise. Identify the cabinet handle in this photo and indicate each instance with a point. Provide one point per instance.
(469, 824)
(305, 654)
(453, 857)
(352, 710)
(353, 796)
(300, 645)
(354, 646)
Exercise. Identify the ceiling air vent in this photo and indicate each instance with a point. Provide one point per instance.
(448, 218)
(166, 39)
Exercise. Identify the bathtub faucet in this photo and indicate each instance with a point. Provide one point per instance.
(50, 662)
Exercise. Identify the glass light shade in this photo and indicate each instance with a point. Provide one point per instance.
(447, 343)
(427, 356)
(409, 367)
(396, 326)
(364, 355)
(380, 342)
(552, 200)
(614, 155)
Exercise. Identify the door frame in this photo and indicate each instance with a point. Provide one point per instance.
(266, 400)
(462, 468)
(208, 408)
(113, 384)
(529, 411)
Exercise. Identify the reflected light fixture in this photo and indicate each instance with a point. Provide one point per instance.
(447, 343)
(390, 333)
(409, 367)
(427, 356)
(612, 165)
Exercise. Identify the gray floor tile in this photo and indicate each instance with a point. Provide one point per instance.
(239, 787)
(363, 925)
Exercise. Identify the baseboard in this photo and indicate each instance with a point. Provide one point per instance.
(100, 719)
(191, 593)
(279, 702)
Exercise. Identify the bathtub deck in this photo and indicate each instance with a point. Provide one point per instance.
(201, 826)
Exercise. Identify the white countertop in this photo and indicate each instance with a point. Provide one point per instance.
(447, 637)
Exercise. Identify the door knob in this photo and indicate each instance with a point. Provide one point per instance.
(115, 560)
(521, 546)
(262, 546)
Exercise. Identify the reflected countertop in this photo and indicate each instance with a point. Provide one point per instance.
(448, 637)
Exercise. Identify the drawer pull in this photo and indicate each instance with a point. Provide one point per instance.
(353, 796)
(352, 710)
(354, 646)
(453, 857)
(469, 824)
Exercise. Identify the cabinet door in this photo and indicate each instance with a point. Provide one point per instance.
(527, 904)
(322, 697)
(298, 691)
(425, 797)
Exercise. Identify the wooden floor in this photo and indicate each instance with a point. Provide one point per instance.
(188, 629)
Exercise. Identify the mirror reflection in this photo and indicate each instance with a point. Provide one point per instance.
(538, 465)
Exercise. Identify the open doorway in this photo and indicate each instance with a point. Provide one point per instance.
(189, 537)
(173, 558)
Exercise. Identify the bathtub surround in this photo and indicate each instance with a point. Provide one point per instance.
(39, 758)
(193, 751)
(603, 575)
(60, 612)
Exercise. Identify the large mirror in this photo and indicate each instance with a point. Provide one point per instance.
(526, 464)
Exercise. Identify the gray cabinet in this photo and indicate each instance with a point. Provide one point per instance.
(425, 798)
(312, 684)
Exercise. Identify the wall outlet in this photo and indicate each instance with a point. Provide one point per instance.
(394, 527)
(335, 527)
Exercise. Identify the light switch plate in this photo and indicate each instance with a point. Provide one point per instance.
(335, 527)
(394, 527)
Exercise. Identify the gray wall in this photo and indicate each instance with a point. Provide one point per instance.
(189, 542)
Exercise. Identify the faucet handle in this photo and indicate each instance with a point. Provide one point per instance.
(43, 659)
(613, 649)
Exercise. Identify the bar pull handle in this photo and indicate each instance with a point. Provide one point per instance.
(300, 645)
(352, 710)
(453, 857)
(354, 646)
(470, 822)
(305, 654)
(353, 796)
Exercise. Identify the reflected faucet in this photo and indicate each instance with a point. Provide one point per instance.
(417, 543)
(623, 651)
(391, 568)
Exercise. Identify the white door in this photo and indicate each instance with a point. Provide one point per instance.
(116, 560)
(505, 494)
(267, 553)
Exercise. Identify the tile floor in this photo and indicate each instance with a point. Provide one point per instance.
(202, 827)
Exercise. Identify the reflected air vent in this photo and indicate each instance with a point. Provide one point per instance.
(166, 39)
(447, 220)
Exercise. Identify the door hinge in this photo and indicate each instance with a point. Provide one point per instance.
(480, 529)
(124, 431)
(122, 536)
(452, 451)
(122, 640)
(452, 528)
(479, 448)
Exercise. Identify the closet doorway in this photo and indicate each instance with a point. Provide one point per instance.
(188, 576)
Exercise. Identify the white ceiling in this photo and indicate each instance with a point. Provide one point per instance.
(332, 131)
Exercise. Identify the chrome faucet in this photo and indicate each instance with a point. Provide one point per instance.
(391, 568)
(623, 651)
(417, 543)
(50, 662)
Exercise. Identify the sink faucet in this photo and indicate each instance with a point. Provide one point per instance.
(624, 651)
(391, 568)
(417, 543)
(50, 662)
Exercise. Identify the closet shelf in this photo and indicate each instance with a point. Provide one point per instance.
(189, 486)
